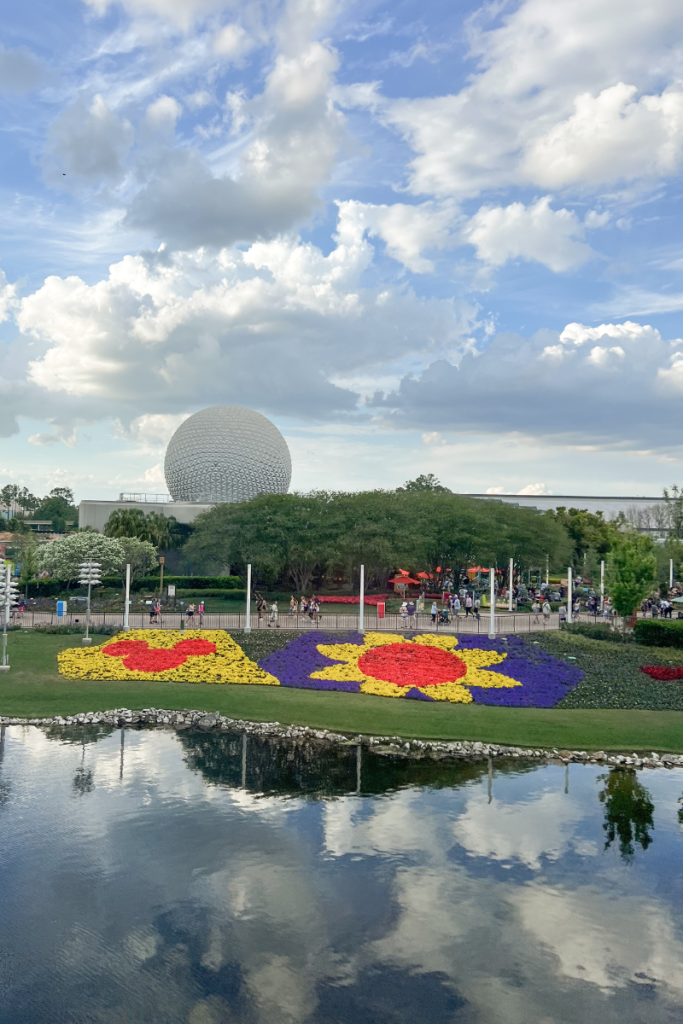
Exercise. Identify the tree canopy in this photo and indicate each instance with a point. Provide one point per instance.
(322, 537)
(160, 530)
(631, 571)
(62, 558)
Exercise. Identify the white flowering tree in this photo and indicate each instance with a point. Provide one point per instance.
(62, 558)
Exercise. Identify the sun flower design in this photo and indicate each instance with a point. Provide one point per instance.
(426, 667)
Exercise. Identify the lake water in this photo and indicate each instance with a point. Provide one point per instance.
(160, 877)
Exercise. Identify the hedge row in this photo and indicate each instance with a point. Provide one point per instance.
(659, 632)
(50, 588)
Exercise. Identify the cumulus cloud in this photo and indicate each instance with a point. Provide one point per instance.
(270, 327)
(565, 93)
(614, 383)
(163, 113)
(551, 237)
(91, 141)
(232, 42)
(20, 70)
(610, 136)
(406, 230)
(296, 133)
(42, 440)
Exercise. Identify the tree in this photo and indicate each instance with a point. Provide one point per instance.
(632, 571)
(126, 522)
(162, 530)
(58, 508)
(424, 482)
(62, 558)
(628, 811)
(8, 497)
(140, 555)
(674, 504)
(585, 530)
(30, 561)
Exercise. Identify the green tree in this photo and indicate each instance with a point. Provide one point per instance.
(8, 497)
(161, 530)
(58, 508)
(629, 811)
(424, 482)
(126, 522)
(586, 530)
(631, 571)
(30, 561)
(62, 558)
(141, 555)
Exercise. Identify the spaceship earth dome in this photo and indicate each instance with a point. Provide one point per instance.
(226, 453)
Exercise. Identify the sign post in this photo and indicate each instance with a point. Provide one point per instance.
(510, 587)
(126, 604)
(361, 610)
(492, 593)
(570, 595)
(247, 627)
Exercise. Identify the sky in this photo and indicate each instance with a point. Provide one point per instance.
(419, 237)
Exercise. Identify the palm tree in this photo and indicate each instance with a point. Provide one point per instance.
(127, 522)
(161, 530)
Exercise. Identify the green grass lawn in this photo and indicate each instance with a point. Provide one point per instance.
(33, 688)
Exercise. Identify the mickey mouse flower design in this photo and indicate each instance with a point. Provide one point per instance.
(426, 667)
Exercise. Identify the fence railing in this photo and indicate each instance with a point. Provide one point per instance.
(504, 622)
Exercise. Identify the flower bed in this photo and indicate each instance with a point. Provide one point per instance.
(428, 667)
(662, 672)
(194, 656)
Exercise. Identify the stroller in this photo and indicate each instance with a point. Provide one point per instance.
(444, 617)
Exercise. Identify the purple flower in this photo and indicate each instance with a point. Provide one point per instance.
(294, 665)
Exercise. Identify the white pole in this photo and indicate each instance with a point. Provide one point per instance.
(247, 628)
(126, 606)
(602, 586)
(570, 594)
(512, 569)
(671, 573)
(547, 571)
(492, 594)
(5, 621)
(361, 611)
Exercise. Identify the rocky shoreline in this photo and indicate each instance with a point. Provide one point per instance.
(390, 746)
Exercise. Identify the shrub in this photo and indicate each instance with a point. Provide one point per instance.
(597, 631)
(658, 633)
(75, 630)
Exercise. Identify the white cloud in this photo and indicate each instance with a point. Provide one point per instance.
(629, 388)
(407, 230)
(551, 237)
(611, 136)
(41, 440)
(291, 152)
(91, 141)
(232, 42)
(269, 326)
(163, 113)
(552, 101)
(533, 489)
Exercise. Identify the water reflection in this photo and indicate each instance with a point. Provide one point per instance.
(629, 811)
(217, 879)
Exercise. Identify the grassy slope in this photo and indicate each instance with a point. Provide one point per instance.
(33, 688)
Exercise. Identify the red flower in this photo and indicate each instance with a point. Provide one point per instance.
(662, 672)
(138, 656)
(411, 665)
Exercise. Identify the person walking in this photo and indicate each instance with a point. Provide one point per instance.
(411, 613)
(404, 614)
(273, 617)
(435, 612)
(563, 614)
(456, 606)
(546, 613)
(201, 614)
(191, 610)
(261, 606)
(468, 605)
(535, 609)
(293, 605)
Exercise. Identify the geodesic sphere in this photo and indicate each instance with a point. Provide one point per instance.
(226, 453)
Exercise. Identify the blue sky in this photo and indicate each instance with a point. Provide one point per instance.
(419, 237)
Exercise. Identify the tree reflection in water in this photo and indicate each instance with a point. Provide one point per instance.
(84, 780)
(628, 811)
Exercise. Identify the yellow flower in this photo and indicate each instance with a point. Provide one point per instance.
(227, 664)
(391, 665)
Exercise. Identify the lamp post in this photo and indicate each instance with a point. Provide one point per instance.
(90, 573)
(671, 574)
(361, 607)
(8, 597)
(247, 628)
(510, 588)
(161, 576)
(492, 592)
(126, 606)
(570, 595)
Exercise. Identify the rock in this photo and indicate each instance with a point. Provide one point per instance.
(208, 721)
